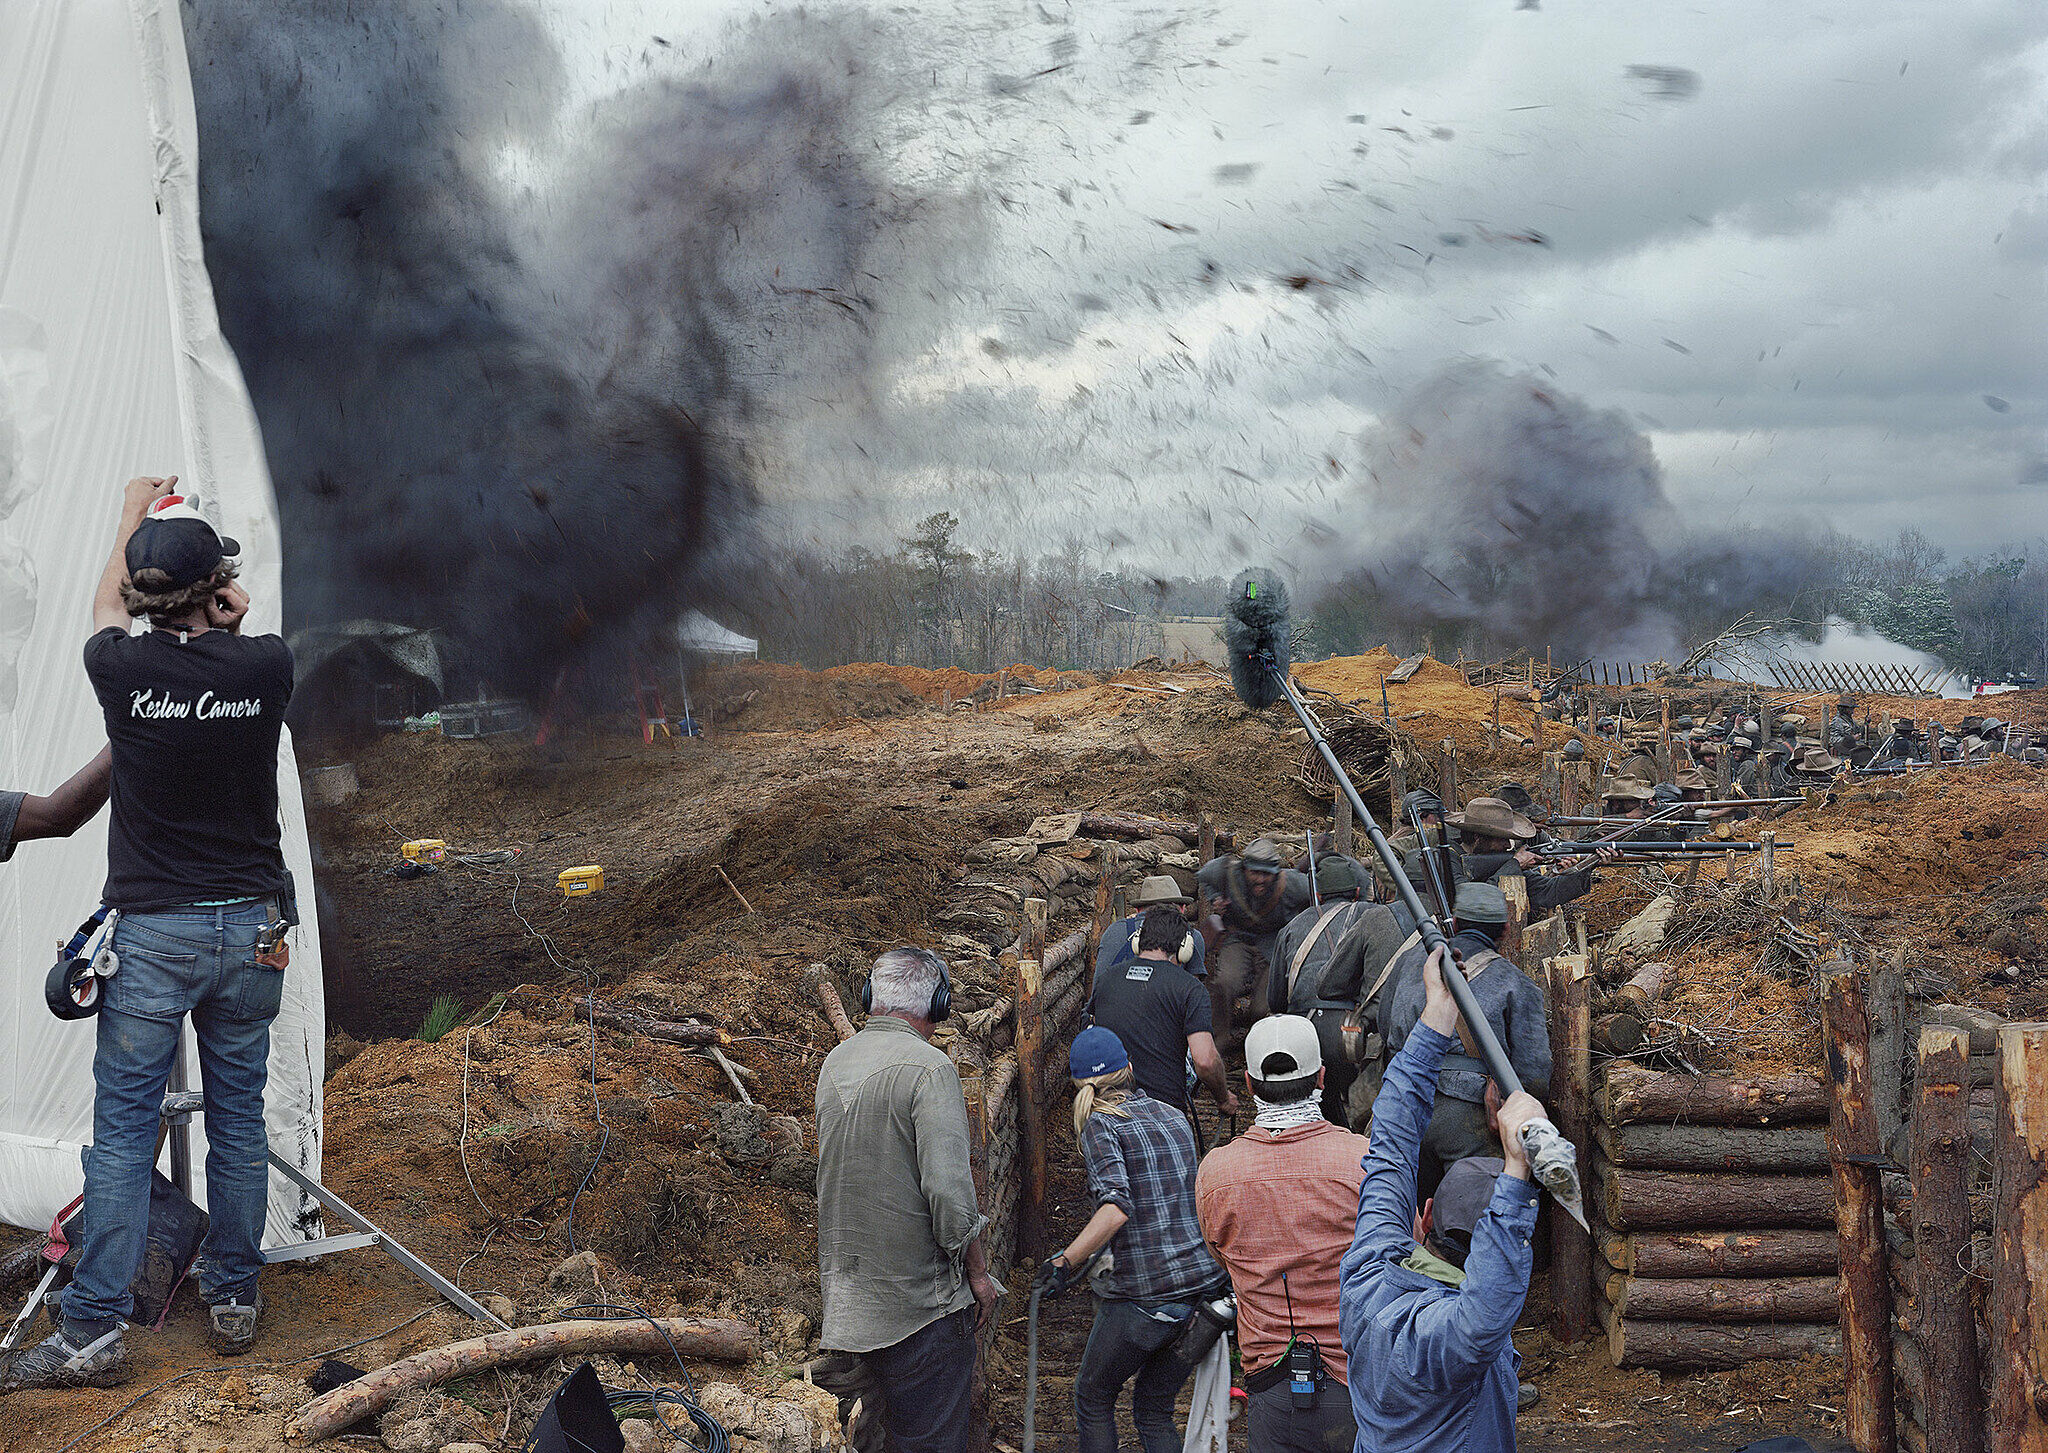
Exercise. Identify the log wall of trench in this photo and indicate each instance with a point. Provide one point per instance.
(1713, 1218)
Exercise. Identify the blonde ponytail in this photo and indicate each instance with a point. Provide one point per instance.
(1106, 1093)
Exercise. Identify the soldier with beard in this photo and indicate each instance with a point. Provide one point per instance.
(1254, 895)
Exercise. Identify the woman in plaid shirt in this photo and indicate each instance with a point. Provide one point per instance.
(1141, 1174)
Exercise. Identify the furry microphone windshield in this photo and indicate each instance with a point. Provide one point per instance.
(1255, 635)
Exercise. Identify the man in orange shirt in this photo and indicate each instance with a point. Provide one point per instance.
(1278, 1206)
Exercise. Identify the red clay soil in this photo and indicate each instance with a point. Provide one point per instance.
(845, 824)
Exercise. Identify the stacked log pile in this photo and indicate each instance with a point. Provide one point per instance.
(1714, 1218)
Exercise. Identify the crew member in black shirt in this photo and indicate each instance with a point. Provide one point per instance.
(1161, 1013)
(195, 868)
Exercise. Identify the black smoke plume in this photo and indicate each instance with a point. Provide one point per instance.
(1498, 503)
(506, 353)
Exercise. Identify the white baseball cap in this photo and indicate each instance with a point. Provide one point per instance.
(1282, 1047)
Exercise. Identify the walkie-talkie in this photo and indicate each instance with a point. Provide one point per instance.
(1304, 1359)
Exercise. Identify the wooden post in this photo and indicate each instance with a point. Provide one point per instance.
(1099, 925)
(1664, 744)
(1855, 1151)
(1947, 1328)
(1571, 1104)
(1769, 859)
(1031, 1079)
(2019, 1262)
(1207, 829)
(1568, 789)
(971, 1090)
(1449, 794)
(1340, 837)
(1496, 711)
(1515, 889)
(1397, 788)
(1724, 773)
(1547, 785)
(1002, 684)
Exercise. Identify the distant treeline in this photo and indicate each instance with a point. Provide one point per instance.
(932, 603)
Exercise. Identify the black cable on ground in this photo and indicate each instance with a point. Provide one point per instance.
(716, 1439)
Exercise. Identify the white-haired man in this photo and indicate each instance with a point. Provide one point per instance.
(899, 1229)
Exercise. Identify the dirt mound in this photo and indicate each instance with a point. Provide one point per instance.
(757, 696)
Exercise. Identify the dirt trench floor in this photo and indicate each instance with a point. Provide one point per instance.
(840, 826)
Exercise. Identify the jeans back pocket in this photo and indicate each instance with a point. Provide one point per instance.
(159, 974)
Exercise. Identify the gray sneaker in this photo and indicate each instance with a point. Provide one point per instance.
(231, 1326)
(58, 1361)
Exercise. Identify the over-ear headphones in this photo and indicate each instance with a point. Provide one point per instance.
(1183, 955)
(942, 996)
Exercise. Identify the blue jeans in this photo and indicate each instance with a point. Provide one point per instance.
(202, 962)
(1130, 1340)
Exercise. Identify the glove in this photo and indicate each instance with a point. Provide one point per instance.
(1054, 1277)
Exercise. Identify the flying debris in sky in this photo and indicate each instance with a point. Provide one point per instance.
(1667, 83)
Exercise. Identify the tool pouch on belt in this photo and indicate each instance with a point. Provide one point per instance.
(273, 945)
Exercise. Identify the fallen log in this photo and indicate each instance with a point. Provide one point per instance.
(648, 1027)
(1632, 1093)
(328, 1414)
(1722, 1253)
(825, 990)
(1639, 993)
(1617, 1033)
(1058, 955)
(1633, 1343)
(1120, 824)
(1749, 1148)
(1656, 1200)
(1725, 1299)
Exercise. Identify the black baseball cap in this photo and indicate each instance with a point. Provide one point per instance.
(1464, 1194)
(186, 549)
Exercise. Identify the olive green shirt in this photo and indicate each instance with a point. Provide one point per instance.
(896, 1203)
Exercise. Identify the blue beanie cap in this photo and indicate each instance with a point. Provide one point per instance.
(1096, 1051)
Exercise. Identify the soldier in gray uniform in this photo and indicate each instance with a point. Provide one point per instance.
(1254, 895)
(1513, 1004)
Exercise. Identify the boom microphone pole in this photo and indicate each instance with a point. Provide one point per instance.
(1255, 635)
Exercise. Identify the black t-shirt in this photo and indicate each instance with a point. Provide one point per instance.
(194, 729)
(1153, 1006)
(1119, 945)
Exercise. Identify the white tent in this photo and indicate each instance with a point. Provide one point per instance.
(698, 632)
(111, 365)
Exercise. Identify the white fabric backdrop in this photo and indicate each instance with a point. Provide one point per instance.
(111, 365)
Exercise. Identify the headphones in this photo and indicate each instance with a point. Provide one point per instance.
(1183, 955)
(942, 996)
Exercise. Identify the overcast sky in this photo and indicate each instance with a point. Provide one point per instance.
(1192, 253)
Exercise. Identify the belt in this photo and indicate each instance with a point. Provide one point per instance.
(1275, 1375)
(1462, 1064)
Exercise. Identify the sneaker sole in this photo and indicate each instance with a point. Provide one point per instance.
(111, 1377)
